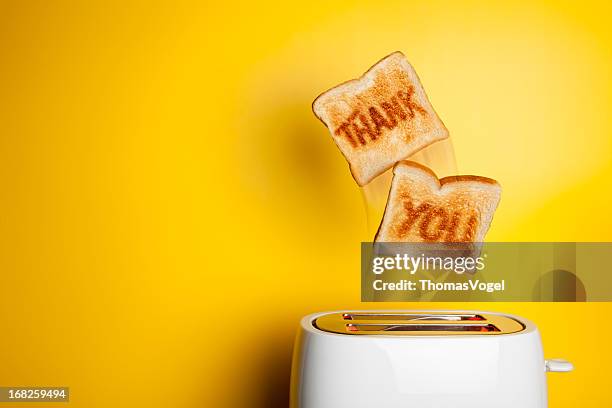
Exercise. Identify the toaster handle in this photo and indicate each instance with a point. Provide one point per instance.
(558, 366)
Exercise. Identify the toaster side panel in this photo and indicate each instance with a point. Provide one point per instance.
(423, 372)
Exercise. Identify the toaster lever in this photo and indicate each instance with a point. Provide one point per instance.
(558, 366)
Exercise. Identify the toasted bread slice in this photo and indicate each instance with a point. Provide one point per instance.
(422, 208)
(380, 118)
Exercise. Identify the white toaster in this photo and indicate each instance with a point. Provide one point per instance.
(419, 359)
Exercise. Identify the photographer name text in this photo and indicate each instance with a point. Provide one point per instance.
(474, 285)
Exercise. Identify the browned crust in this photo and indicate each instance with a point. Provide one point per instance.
(350, 81)
(419, 166)
(479, 179)
(448, 179)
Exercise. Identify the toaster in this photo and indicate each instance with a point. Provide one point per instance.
(419, 359)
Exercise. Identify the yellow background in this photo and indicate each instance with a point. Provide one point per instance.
(171, 207)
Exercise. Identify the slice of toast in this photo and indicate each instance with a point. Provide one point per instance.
(422, 208)
(380, 118)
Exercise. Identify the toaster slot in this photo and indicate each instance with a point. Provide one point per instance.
(412, 316)
(408, 323)
(412, 327)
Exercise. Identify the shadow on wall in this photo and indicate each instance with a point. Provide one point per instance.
(275, 365)
(288, 150)
(290, 162)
